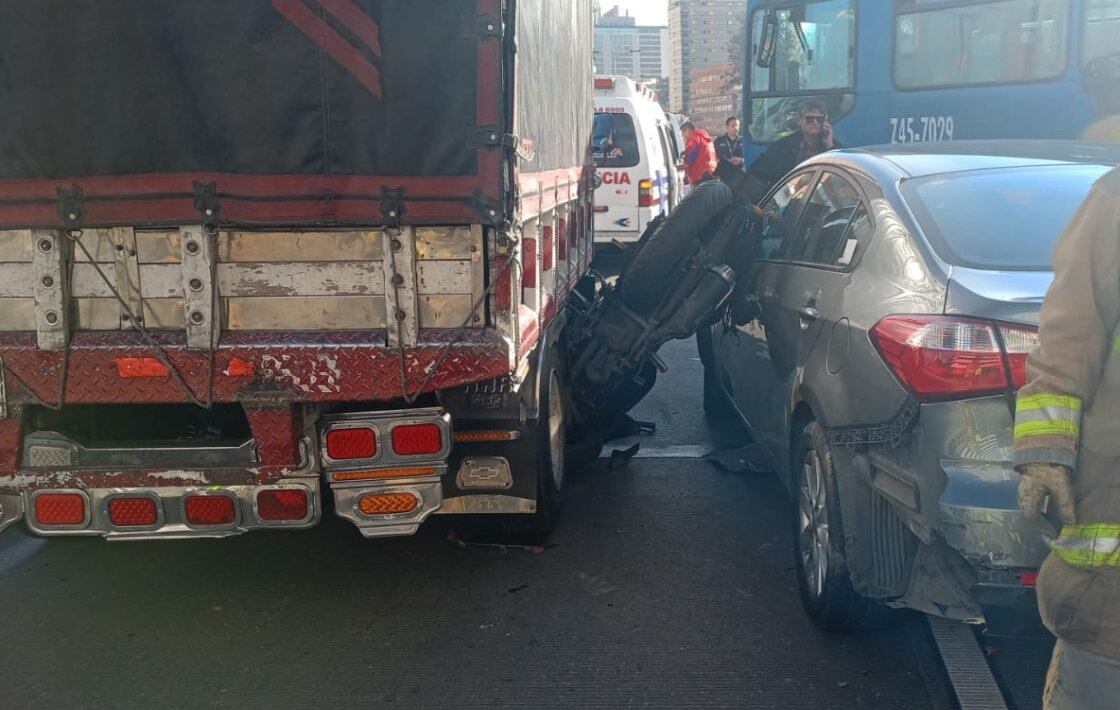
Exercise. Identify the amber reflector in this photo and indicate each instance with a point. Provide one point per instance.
(385, 473)
(471, 437)
(388, 503)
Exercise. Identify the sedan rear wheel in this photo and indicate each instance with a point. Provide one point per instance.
(819, 551)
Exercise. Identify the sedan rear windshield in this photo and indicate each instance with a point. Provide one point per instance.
(1000, 220)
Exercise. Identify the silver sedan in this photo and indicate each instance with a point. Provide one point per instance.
(875, 357)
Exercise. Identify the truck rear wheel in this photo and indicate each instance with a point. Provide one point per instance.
(552, 440)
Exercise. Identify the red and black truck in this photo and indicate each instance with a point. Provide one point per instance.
(268, 258)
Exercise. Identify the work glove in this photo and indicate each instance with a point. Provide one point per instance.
(1038, 480)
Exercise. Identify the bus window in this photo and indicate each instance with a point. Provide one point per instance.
(799, 50)
(615, 142)
(1101, 33)
(979, 43)
(812, 48)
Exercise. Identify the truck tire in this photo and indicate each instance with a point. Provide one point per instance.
(648, 277)
(552, 427)
(818, 548)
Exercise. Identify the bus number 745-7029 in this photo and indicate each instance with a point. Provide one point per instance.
(921, 129)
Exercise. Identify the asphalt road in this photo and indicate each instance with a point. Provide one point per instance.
(669, 585)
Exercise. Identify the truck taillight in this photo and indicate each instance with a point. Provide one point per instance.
(60, 509)
(206, 509)
(645, 193)
(415, 439)
(939, 357)
(350, 443)
(131, 512)
(282, 505)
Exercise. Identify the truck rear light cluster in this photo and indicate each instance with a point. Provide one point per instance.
(282, 505)
(60, 509)
(388, 503)
(210, 510)
(645, 193)
(417, 439)
(350, 443)
(132, 512)
(944, 357)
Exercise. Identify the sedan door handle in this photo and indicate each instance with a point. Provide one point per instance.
(809, 315)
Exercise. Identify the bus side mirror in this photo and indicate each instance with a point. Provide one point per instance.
(768, 40)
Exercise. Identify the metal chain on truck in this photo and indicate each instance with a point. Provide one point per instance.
(75, 235)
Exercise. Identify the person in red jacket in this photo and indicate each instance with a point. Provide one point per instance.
(700, 159)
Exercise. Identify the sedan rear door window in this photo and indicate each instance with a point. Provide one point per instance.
(783, 208)
(822, 234)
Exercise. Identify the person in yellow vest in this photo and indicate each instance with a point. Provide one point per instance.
(1067, 451)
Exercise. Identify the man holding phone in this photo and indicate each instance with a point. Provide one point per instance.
(814, 135)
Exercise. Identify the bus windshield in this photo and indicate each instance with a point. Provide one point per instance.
(798, 50)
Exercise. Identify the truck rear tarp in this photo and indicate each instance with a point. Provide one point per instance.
(297, 111)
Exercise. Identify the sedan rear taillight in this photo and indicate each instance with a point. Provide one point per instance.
(943, 357)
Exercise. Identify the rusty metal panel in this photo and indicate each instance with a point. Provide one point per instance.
(447, 311)
(105, 313)
(52, 318)
(164, 314)
(400, 287)
(17, 280)
(448, 242)
(273, 247)
(303, 314)
(17, 314)
(200, 300)
(127, 273)
(158, 247)
(15, 245)
(100, 244)
(439, 278)
(301, 279)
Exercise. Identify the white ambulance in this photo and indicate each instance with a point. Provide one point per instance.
(639, 168)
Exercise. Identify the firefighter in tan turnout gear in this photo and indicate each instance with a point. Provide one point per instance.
(1067, 450)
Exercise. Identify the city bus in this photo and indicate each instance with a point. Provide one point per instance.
(907, 71)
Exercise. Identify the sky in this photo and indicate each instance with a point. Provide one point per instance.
(648, 12)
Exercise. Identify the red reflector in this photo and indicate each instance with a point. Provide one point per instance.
(133, 512)
(60, 509)
(210, 510)
(413, 439)
(1028, 579)
(351, 443)
(602, 209)
(129, 367)
(239, 368)
(942, 357)
(529, 262)
(282, 504)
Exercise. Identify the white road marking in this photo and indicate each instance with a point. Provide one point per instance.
(667, 451)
